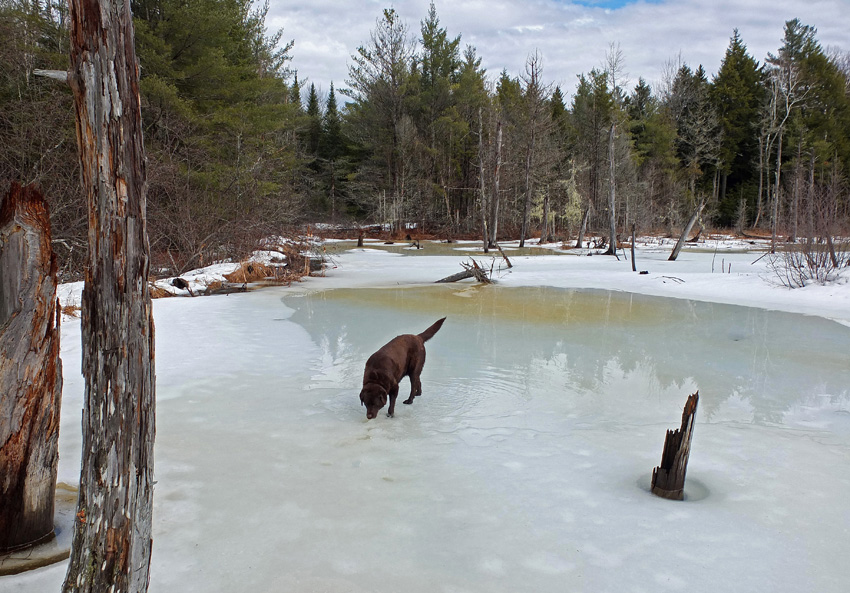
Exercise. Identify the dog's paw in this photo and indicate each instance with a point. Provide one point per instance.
(389, 415)
(408, 401)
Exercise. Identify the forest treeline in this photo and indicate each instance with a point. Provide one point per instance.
(240, 147)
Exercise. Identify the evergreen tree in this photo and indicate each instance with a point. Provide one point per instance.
(333, 153)
(737, 94)
(437, 68)
(697, 128)
(314, 123)
(591, 113)
(378, 86)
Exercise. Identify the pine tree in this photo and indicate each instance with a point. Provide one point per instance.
(314, 123)
(378, 86)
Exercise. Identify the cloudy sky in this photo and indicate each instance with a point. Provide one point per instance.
(572, 36)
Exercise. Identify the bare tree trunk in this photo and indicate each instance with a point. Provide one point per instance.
(810, 203)
(482, 189)
(684, 236)
(494, 203)
(544, 232)
(30, 370)
(761, 183)
(583, 228)
(795, 204)
(112, 530)
(774, 223)
(612, 195)
(526, 210)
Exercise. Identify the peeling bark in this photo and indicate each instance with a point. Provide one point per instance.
(112, 531)
(30, 370)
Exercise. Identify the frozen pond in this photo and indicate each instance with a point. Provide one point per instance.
(525, 464)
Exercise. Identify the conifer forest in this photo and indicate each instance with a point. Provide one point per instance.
(419, 136)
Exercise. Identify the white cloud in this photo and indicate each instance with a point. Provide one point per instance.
(572, 38)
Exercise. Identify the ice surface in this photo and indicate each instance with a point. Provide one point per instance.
(525, 464)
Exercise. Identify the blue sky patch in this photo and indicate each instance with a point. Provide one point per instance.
(611, 4)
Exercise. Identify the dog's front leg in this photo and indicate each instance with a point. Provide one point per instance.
(393, 395)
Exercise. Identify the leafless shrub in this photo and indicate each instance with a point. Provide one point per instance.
(810, 263)
(823, 253)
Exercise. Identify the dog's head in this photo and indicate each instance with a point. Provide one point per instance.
(374, 397)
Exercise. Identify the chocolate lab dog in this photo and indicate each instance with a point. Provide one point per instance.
(402, 356)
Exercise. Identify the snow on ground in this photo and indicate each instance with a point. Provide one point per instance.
(525, 465)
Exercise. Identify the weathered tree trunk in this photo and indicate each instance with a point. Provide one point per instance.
(687, 231)
(30, 370)
(634, 265)
(668, 480)
(612, 196)
(485, 237)
(112, 530)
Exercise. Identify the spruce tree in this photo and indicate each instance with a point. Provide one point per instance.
(736, 94)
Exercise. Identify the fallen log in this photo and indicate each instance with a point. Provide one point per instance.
(30, 370)
(668, 480)
(470, 270)
(456, 277)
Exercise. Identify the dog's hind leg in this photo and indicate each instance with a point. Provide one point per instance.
(415, 388)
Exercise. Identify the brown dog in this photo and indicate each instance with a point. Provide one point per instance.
(402, 356)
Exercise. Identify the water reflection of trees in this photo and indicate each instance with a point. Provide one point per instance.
(584, 338)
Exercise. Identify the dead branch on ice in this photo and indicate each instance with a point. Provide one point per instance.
(470, 270)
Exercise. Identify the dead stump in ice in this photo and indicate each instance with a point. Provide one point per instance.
(30, 370)
(668, 480)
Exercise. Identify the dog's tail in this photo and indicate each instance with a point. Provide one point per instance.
(429, 333)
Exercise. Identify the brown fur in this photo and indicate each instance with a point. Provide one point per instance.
(403, 356)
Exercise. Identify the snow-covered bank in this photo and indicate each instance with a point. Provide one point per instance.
(525, 465)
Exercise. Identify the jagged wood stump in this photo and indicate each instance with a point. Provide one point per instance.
(30, 370)
(668, 480)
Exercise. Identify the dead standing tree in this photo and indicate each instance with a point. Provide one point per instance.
(30, 370)
(112, 530)
(668, 480)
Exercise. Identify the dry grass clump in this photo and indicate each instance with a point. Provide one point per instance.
(252, 271)
(71, 310)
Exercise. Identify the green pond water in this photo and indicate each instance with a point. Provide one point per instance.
(630, 354)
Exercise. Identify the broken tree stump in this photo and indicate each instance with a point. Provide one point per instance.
(30, 370)
(668, 480)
